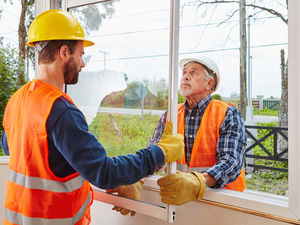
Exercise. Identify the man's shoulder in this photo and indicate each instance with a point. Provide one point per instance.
(62, 103)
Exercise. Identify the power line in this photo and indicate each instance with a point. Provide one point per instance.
(181, 27)
(10, 40)
(9, 12)
(11, 30)
(141, 13)
(192, 52)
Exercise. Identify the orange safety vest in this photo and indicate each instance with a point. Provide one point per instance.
(34, 195)
(204, 148)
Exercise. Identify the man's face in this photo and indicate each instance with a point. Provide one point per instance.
(74, 64)
(193, 82)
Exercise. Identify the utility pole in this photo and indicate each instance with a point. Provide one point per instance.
(249, 108)
(104, 54)
(243, 59)
(249, 67)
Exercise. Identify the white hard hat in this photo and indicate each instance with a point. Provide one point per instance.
(208, 64)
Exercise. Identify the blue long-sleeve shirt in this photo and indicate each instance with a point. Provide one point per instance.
(231, 144)
(73, 148)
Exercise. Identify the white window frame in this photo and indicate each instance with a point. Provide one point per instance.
(168, 212)
(272, 206)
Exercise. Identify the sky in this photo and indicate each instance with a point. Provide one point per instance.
(9, 22)
(201, 32)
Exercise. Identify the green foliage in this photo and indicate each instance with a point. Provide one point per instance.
(12, 77)
(268, 180)
(217, 97)
(92, 16)
(135, 132)
(128, 98)
(233, 101)
(181, 98)
(265, 112)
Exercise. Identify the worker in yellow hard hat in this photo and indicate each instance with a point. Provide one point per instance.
(53, 156)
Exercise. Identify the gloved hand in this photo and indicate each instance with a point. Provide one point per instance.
(132, 191)
(171, 145)
(181, 188)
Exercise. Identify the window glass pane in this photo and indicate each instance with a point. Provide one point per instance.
(213, 30)
(123, 89)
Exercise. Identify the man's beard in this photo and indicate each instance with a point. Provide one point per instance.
(186, 91)
(71, 72)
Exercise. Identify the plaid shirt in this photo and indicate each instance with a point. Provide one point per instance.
(231, 143)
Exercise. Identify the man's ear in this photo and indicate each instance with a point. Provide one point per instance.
(64, 52)
(210, 83)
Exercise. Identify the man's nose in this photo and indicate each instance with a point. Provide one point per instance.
(186, 76)
(82, 64)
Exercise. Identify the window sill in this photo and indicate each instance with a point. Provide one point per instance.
(251, 202)
(4, 160)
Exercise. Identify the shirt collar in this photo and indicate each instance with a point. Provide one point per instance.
(200, 105)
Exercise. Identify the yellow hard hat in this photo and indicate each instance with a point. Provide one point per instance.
(56, 24)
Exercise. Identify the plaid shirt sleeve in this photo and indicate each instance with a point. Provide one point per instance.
(230, 150)
(159, 130)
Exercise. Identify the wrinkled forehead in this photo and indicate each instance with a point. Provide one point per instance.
(195, 65)
(191, 64)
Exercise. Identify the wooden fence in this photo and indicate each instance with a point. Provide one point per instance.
(255, 104)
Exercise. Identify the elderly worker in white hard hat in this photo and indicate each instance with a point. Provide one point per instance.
(214, 135)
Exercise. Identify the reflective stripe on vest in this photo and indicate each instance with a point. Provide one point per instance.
(33, 191)
(205, 144)
(18, 218)
(43, 184)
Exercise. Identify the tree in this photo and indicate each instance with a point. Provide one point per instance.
(11, 69)
(243, 59)
(84, 14)
(12, 64)
(277, 8)
(91, 16)
(283, 107)
(217, 97)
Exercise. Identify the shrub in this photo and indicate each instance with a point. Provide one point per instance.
(12, 77)
(217, 97)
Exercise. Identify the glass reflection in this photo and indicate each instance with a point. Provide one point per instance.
(122, 91)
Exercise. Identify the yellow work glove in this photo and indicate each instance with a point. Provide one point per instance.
(181, 188)
(171, 145)
(132, 191)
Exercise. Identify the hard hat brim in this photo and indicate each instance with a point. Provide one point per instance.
(86, 43)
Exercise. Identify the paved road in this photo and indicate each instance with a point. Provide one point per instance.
(256, 118)
(130, 111)
(264, 119)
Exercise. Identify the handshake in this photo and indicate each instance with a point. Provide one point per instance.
(175, 189)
